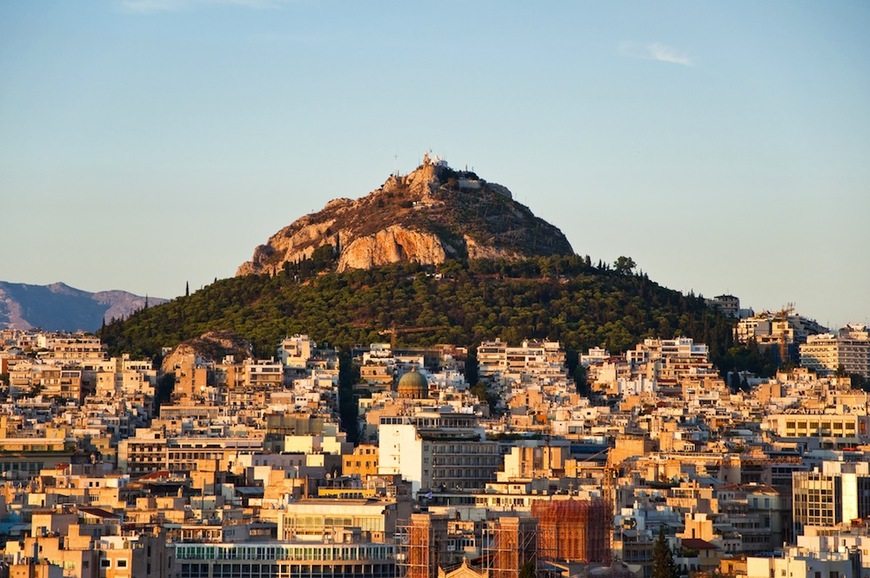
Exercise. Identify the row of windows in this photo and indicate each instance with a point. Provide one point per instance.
(283, 552)
(316, 524)
(475, 448)
(287, 571)
(21, 466)
(474, 474)
(463, 461)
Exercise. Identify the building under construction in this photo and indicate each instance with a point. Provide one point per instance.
(509, 544)
(422, 546)
(558, 530)
(573, 530)
(506, 544)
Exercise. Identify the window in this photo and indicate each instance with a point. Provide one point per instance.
(105, 563)
(121, 563)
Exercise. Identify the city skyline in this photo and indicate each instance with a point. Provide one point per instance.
(153, 143)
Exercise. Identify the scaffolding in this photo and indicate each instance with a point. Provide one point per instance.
(509, 543)
(422, 546)
(573, 530)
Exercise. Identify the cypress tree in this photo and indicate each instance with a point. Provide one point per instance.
(663, 559)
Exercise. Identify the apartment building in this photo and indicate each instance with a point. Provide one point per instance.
(151, 451)
(836, 494)
(76, 347)
(362, 463)
(848, 350)
(532, 358)
(433, 449)
(338, 557)
(818, 424)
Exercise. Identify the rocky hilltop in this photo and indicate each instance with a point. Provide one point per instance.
(427, 216)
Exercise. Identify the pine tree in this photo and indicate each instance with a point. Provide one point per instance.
(528, 570)
(663, 559)
(187, 289)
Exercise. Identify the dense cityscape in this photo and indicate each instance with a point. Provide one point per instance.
(509, 459)
(253, 323)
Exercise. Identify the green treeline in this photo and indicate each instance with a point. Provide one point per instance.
(565, 298)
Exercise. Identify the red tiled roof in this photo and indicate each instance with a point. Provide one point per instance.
(698, 544)
(155, 475)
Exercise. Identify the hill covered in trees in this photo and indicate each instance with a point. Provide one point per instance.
(566, 298)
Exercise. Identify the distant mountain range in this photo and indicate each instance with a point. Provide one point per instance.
(59, 307)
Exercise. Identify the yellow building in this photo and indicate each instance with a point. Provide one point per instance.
(363, 462)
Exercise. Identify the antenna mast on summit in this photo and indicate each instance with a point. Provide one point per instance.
(396, 156)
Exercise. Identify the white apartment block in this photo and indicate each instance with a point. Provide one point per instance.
(78, 346)
(434, 449)
(498, 359)
(678, 348)
(849, 349)
(594, 356)
(836, 495)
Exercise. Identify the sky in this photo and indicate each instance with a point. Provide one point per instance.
(724, 146)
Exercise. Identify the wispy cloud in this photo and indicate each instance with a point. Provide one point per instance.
(662, 53)
(151, 6)
(659, 52)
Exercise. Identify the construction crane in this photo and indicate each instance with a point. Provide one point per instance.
(611, 478)
(783, 337)
(393, 331)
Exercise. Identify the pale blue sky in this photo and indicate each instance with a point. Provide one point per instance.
(724, 146)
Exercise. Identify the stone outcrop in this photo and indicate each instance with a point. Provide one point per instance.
(298, 241)
(392, 245)
(429, 215)
(211, 346)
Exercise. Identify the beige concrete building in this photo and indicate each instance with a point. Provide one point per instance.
(849, 349)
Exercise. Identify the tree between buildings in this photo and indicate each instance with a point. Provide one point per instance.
(663, 559)
(528, 570)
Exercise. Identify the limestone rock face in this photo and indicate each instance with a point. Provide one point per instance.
(392, 245)
(429, 215)
(298, 241)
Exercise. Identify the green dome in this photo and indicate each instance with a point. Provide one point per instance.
(413, 385)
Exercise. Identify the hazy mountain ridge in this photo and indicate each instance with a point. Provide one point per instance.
(59, 307)
(428, 216)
